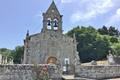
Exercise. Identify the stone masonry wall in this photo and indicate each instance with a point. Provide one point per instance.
(38, 72)
(29, 72)
(98, 72)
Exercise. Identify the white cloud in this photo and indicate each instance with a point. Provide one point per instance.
(67, 1)
(102, 6)
(115, 19)
(77, 16)
(118, 11)
(91, 9)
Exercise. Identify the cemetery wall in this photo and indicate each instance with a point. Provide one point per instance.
(98, 72)
(33, 72)
(29, 72)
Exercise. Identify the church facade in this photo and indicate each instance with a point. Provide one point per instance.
(50, 46)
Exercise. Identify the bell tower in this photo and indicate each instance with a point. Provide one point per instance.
(52, 20)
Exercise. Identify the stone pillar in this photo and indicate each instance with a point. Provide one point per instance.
(0, 59)
(5, 60)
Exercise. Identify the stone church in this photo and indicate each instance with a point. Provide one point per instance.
(50, 46)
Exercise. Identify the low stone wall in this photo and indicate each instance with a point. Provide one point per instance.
(29, 72)
(42, 71)
(98, 72)
(117, 59)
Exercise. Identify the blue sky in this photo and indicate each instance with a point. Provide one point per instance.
(18, 16)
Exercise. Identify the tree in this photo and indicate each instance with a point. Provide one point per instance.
(113, 31)
(6, 53)
(114, 40)
(18, 54)
(116, 49)
(103, 30)
(74, 30)
(91, 46)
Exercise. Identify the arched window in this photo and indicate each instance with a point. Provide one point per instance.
(55, 24)
(49, 23)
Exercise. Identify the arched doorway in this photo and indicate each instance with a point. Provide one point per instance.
(52, 60)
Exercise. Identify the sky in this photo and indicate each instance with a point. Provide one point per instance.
(18, 16)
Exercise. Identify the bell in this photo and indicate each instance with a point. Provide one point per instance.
(55, 24)
(48, 22)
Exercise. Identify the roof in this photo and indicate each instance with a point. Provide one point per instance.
(53, 7)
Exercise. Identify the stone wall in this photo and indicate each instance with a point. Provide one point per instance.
(117, 59)
(98, 72)
(38, 72)
(29, 72)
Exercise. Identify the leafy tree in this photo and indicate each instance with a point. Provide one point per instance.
(114, 40)
(18, 54)
(71, 32)
(6, 53)
(116, 49)
(113, 31)
(91, 45)
(103, 30)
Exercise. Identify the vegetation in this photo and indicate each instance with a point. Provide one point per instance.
(93, 44)
(16, 54)
(6, 53)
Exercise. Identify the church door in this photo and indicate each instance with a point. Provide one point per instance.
(52, 60)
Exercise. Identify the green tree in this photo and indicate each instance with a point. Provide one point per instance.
(103, 30)
(113, 31)
(6, 53)
(116, 49)
(91, 45)
(114, 40)
(18, 54)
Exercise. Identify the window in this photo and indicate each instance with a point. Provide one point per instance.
(67, 61)
(49, 23)
(55, 24)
